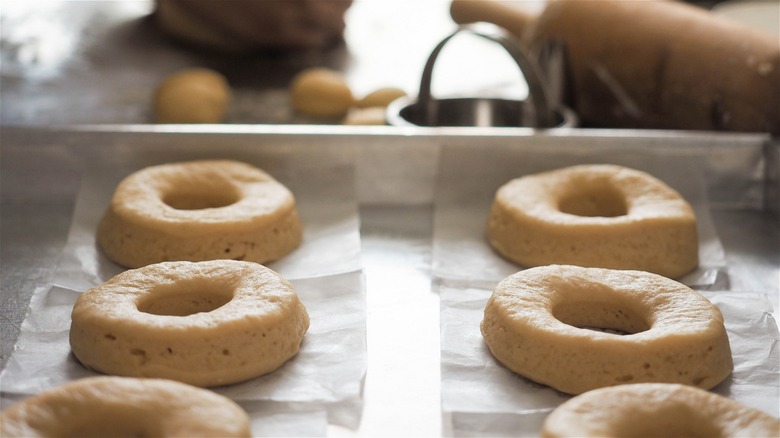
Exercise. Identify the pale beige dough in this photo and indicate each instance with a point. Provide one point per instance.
(381, 97)
(197, 95)
(657, 410)
(538, 324)
(204, 323)
(372, 116)
(595, 215)
(371, 109)
(125, 407)
(321, 92)
(199, 210)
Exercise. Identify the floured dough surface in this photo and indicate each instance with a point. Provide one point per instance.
(199, 210)
(120, 406)
(597, 216)
(204, 323)
(577, 329)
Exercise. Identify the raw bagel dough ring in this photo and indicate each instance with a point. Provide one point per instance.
(204, 323)
(656, 409)
(123, 406)
(199, 210)
(602, 216)
(536, 324)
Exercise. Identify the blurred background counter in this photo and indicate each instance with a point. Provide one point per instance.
(85, 62)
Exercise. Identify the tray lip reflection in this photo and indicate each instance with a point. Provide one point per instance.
(738, 138)
(361, 144)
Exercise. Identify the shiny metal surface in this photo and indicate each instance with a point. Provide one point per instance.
(68, 63)
(396, 177)
(92, 61)
(473, 111)
(536, 113)
(541, 108)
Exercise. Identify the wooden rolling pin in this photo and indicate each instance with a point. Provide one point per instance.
(654, 64)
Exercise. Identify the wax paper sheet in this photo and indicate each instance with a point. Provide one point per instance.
(480, 397)
(326, 203)
(469, 177)
(322, 384)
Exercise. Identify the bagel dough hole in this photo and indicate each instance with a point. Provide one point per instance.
(595, 201)
(185, 300)
(677, 420)
(200, 199)
(600, 316)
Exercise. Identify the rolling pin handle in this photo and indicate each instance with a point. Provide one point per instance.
(514, 20)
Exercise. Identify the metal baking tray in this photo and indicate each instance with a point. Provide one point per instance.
(402, 195)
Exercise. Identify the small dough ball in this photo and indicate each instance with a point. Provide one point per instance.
(375, 115)
(321, 92)
(381, 97)
(197, 95)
